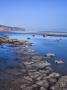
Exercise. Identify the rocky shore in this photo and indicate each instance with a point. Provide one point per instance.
(14, 42)
(32, 72)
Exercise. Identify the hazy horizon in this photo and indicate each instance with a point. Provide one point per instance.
(35, 15)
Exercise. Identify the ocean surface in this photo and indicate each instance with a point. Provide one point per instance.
(42, 45)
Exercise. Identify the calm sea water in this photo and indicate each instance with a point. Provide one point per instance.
(41, 45)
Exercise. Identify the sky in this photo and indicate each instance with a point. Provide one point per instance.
(34, 15)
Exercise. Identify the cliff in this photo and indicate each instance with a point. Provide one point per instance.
(10, 29)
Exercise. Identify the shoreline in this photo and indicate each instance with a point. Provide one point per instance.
(44, 34)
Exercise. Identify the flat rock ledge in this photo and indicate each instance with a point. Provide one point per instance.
(13, 42)
(40, 76)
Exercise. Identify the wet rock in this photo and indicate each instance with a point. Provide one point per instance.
(28, 78)
(39, 78)
(62, 84)
(35, 87)
(36, 65)
(47, 72)
(42, 88)
(29, 52)
(28, 38)
(34, 75)
(43, 83)
(30, 44)
(58, 62)
(33, 35)
(52, 88)
(54, 75)
(36, 58)
(49, 69)
(52, 81)
(28, 63)
(43, 74)
(24, 87)
(41, 64)
(13, 41)
(50, 55)
(32, 70)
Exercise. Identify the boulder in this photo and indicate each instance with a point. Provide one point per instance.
(42, 88)
(50, 55)
(34, 87)
(41, 64)
(54, 75)
(28, 78)
(58, 62)
(43, 83)
(34, 75)
(52, 81)
(36, 58)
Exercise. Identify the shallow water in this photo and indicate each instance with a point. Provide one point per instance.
(41, 45)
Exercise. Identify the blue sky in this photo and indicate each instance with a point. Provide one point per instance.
(34, 14)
